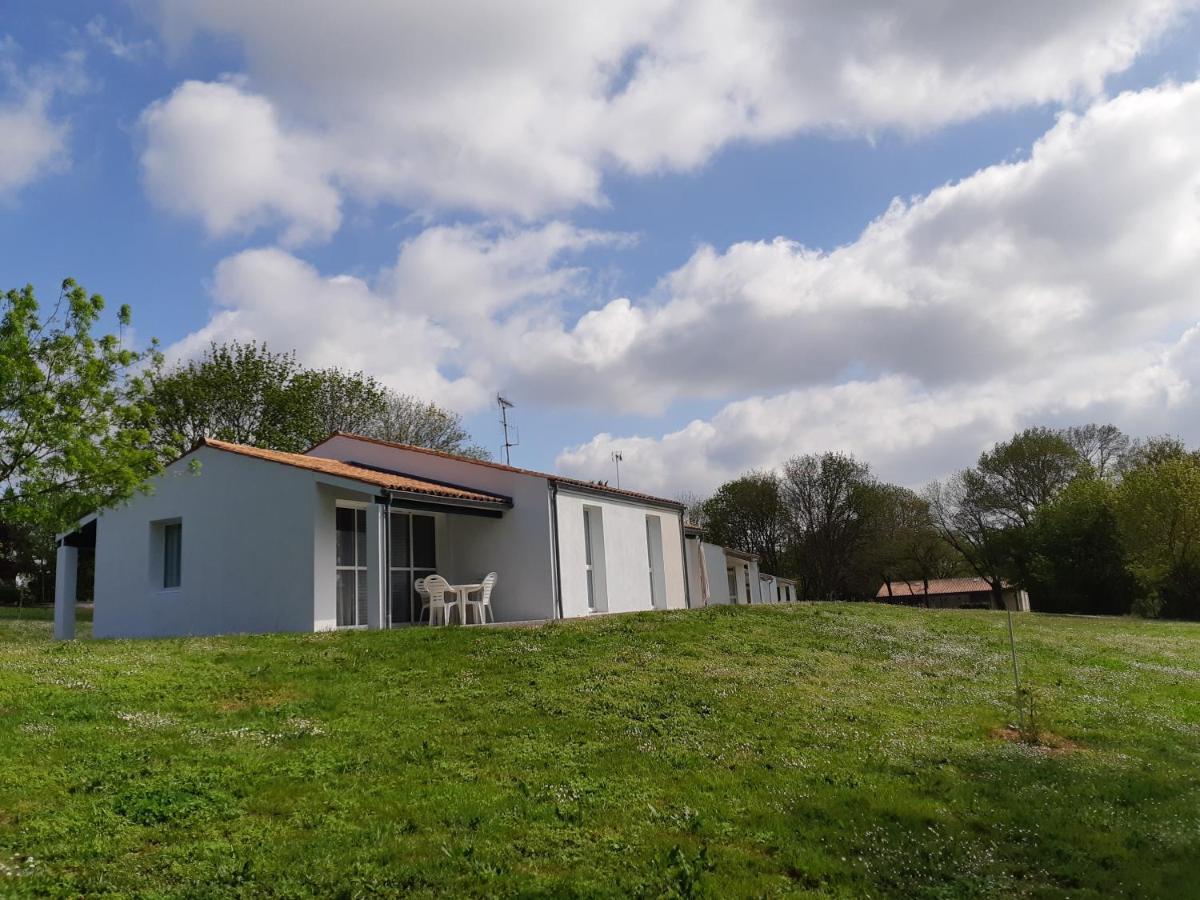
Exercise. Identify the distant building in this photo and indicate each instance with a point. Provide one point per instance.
(952, 593)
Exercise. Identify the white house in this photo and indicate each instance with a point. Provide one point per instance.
(253, 540)
(721, 575)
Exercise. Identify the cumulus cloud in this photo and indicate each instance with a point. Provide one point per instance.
(519, 109)
(1088, 241)
(1061, 287)
(1055, 288)
(425, 325)
(217, 152)
(908, 431)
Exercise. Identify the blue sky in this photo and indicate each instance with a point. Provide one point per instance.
(617, 190)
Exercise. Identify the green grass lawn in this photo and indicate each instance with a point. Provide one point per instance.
(816, 749)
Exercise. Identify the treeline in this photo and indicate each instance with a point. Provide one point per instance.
(85, 420)
(1086, 519)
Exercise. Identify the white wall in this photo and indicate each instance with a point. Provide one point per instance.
(517, 547)
(626, 569)
(247, 551)
(718, 581)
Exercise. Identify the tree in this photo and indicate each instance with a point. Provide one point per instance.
(335, 400)
(240, 392)
(1078, 563)
(1152, 451)
(1158, 510)
(1104, 447)
(72, 410)
(1018, 476)
(407, 420)
(249, 394)
(828, 498)
(904, 545)
(964, 513)
(985, 512)
(747, 514)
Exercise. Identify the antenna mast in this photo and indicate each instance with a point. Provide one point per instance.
(505, 406)
(617, 456)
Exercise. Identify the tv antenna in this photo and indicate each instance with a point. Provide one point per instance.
(617, 456)
(515, 440)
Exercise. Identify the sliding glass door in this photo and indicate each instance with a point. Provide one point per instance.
(413, 555)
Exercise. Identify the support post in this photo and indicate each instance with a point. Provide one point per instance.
(376, 565)
(66, 575)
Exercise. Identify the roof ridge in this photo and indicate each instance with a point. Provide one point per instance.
(565, 479)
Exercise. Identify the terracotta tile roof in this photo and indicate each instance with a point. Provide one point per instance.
(393, 481)
(937, 586)
(574, 482)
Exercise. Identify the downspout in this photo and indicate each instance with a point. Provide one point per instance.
(385, 558)
(554, 543)
(687, 588)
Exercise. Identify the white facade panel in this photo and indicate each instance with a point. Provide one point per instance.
(247, 551)
(625, 576)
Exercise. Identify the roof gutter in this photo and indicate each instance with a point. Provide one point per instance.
(574, 487)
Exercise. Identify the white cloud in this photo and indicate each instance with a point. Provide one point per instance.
(1061, 287)
(114, 41)
(33, 141)
(214, 151)
(1056, 288)
(1087, 242)
(908, 432)
(427, 325)
(518, 109)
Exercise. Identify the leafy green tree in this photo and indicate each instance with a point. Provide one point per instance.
(72, 438)
(1078, 563)
(904, 545)
(1158, 510)
(407, 420)
(1019, 476)
(747, 513)
(240, 392)
(72, 410)
(329, 400)
(249, 394)
(985, 512)
(1155, 450)
(830, 502)
(964, 513)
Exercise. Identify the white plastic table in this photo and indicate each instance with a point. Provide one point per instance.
(461, 591)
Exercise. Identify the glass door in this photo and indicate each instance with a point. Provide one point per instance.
(413, 555)
(351, 567)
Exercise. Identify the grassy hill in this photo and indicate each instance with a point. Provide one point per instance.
(823, 749)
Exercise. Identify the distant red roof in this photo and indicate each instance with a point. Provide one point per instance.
(937, 586)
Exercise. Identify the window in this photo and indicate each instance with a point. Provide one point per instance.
(351, 566)
(731, 574)
(172, 555)
(587, 559)
(413, 555)
(593, 558)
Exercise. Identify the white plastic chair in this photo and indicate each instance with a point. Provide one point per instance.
(419, 587)
(482, 606)
(436, 587)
